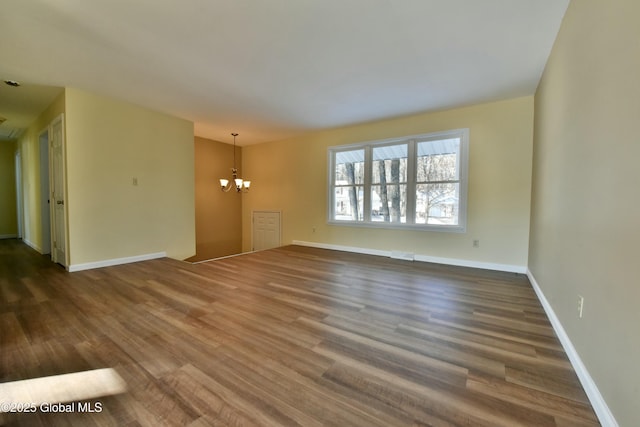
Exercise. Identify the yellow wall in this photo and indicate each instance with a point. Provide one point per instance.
(109, 143)
(8, 217)
(218, 214)
(29, 147)
(585, 204)
(291, 176)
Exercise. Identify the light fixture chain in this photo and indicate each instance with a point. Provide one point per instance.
(241, 185)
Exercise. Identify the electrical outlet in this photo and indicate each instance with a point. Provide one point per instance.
(476, 243)
(580, 305)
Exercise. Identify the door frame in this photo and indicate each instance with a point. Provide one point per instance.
(45, 190)
(19, 196)
(63, 185)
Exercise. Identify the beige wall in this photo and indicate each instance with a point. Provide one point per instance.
(585, 204)
(291, 176)
(29, 147)
(108, 144)
(218, 214)
(8, 217)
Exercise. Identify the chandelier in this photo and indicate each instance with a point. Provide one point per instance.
(241, 185)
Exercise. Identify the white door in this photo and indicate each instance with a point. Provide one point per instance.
(58, 210)
(266, 230)
(45, 209)
(19, 205)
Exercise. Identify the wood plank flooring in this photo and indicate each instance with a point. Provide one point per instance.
(285, 337)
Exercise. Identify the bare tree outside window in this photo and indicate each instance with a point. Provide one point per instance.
(389, 183)
(395, 190)
(437, 187)
(353, 193)
(349, 181)
(384, 197)
(415, 181)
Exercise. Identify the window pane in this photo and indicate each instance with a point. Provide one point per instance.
(438, 160)
(389, 164)
(389, 203)
(349, 167)
(349, 202)
(437, 203)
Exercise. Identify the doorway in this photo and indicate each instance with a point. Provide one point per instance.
(266, 230)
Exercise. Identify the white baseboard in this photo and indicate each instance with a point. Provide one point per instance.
(115, 261)
(423, 258)
(8, 236)
(591, 389)
(473, 264)
(354, 249)
(32, 245)
(600, 407)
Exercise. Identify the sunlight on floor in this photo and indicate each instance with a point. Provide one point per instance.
(62, 388)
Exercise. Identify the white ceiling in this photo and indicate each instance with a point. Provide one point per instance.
(270, 69)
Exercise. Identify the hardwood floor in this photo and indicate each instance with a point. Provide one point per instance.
(290, 336)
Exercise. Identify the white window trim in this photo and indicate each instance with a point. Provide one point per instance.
(368, 146)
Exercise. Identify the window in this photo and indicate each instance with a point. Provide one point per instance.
(349, 185)
(418, 181)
